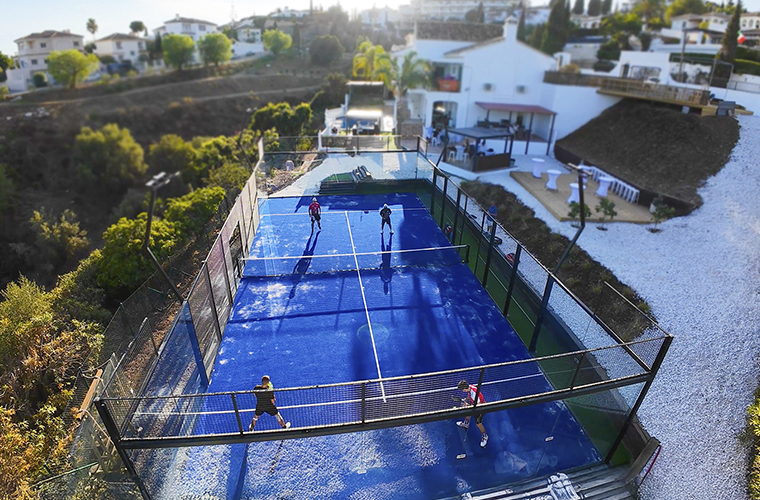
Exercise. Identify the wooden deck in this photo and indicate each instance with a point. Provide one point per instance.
(669, 94)
(556, 201)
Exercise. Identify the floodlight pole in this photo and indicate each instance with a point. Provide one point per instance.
(158, 181)
(240, 139)
(550, 278)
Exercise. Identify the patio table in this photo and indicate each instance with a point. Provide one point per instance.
(538, 164)
(552, 182)
(604, 185)
(574, 194)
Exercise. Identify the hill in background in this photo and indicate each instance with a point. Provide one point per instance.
(656, 147)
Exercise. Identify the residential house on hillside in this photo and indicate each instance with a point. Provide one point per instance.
(457, 9)
(379, 17)
(289, 13)
(587, 22)
(750, 20)
(123, 48)
(480, 77)
(249, 41)
(33, 51)
(195, 28)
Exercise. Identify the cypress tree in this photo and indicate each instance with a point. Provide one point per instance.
(730, 42)
(521, 24)
(578, 7)
(555, 34)
(606, 7)
(594, 7)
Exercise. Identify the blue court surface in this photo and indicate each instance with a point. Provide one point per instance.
(303, 325)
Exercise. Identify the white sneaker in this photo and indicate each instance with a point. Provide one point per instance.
(463, 424)
(484, 441)
(287, 426)
(391, 232)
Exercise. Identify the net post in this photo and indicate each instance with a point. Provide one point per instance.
(364, 401)
(432, 194)
(477, 391)
(464, 219)
(467, 255)
(480, 239)
(237, 413)
(512, 279)
(456, 216)
(443, 199)
(577, 370)
(213, 302)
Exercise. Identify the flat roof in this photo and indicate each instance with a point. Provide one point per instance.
(481, 132)
(371, 114)
(364, 84)
(518, 108)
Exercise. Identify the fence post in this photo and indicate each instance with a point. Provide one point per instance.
(213, 302)
(477, 391)
(465, 216)
(432, 195)
(237, 413)
(577, 370)
(456, 216)
(444, 198)
(541, 312)
(653, 373)
(113, 433)
(480, 239)
(490, 251)
(512, 279)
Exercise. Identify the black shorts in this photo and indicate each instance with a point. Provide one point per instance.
(478, 418)
(315, 217)
(271, 410)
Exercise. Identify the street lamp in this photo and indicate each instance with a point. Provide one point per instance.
(240, 138)
(158, 181)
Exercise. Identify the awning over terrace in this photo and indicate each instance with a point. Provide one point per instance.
(521, 133)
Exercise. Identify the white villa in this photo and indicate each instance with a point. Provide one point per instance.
(587, 22)
(456, 9)
(123, 48)
(698, 28)
(249, 40)
(194, 28)
(379, 17)
(750, 20)
(497, 82)
(32, 55)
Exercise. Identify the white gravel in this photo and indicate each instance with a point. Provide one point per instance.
(700, 275)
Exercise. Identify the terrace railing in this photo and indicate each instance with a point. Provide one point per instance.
(647, 90)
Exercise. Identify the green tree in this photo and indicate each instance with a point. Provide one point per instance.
(731, 36)
(679, 7)
(556, 32)
(332, 93)
(173, 154)
(521, 32)
(606, 7)
(609, 51)
(414, 73)
(594, 7)
(649, 9)
(288, 122)
(276, 41)
(297, 36)
(211, 154)
(192, 212)
(71, 67)
(231, 177)
(5, 63)
(578, 7)
(39, 79)
(475, 15)
(325, 50)
(177, 50)
(536, 36)
(575, 211)
(58, 240)
(7, 190)
(155, 48)
(371, 62)
(123, 267)
(230, 33)
(109, 158)
(137, 27)
(215, 48)
(92, 27)
(607, 209)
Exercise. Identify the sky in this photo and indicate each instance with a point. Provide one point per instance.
(20, 18)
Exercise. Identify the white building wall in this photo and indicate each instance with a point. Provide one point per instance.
(565, 101)
(242, 49)
(121, 50)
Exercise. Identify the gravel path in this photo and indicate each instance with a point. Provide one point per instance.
(700, 275)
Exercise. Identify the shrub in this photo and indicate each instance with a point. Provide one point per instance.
(605, 66)
(77, 294)
(109, 158)
(123, 267)
(173, 154)
(4, 92)
(230, 177)
(7, 190)
(570, 68)
(40, 79)
(744, 66)
(325, 50)
(190, 213)
(58, 240)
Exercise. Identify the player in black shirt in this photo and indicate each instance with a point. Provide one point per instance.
(385, 213)
(265, 403)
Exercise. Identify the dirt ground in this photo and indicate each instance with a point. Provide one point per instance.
(656, 147)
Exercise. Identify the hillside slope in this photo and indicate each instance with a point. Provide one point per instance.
(656, 147)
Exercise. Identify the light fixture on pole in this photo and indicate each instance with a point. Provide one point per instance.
(158, 181)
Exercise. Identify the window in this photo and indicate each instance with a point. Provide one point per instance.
(201, 27)
(43, 45)
(186, 27)
(118, 45)
(140, 45)
(30, 44)
(34, 62)
(76, 44)
(131, 52)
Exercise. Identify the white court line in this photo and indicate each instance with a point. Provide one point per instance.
(366, 309)
(403, 250)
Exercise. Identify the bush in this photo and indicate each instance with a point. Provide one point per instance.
(173, 154)
(108, 158)
(58, 240)
(123, 267)
(610, 51)
(77, 294)
(7, 190)
(605, 66)
(747, 54)
(4, 92)
(325, 50)
(40, 79)
(230, 177)
(743, 66)
(570, 68)
(190, 213)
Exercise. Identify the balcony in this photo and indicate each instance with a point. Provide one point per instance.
(446, 77)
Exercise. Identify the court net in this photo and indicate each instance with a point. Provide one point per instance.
(433, 257)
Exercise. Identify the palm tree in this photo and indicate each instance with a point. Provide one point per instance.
(414, 73)
(92, 27)
(373, 63)
(649, 9)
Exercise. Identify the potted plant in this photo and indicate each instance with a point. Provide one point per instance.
(607, 208)
(575, 212)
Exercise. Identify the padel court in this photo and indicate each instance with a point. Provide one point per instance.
(348, 303)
